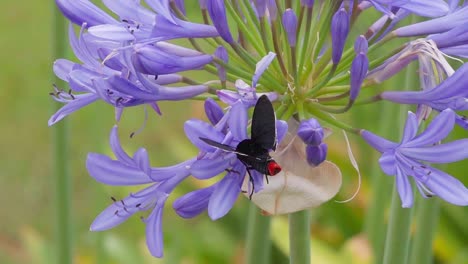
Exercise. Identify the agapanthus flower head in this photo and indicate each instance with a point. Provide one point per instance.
(138, 53)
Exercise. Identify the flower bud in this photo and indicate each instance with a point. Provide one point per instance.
(358, 73)
(339, 32)
(361, 45)
(316, 154)
(217, 12)
(311, 132)
(290, 26)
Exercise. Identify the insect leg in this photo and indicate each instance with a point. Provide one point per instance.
(250, 178)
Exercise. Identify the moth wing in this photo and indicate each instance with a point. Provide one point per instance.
(224, 147)
(264, 124)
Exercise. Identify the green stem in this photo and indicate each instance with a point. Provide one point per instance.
(258, 246)
(299, 237)
(61, 172)
(426, 222)
(398, 232)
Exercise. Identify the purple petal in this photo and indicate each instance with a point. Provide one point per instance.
(130, 10)
(404, 189)
(162, 8)
(311, 132)
(108, 218)
(151, 60)
(225, 195)
(165, 29)
(142, 160)
(437, 25)
(388, 163)
(447, 187)
(378, 143)
(113, 172)
(72, 106)
(261, 67)
(113, 32)
(62, 68)
(84, 11)
(443, 153)
(238, 121)
(154, 233)
(208, 168)
(437, 130)
(115, 214)
(193, 203)
(194, 129)
(411, 128)
(213, 111)
(460, 51)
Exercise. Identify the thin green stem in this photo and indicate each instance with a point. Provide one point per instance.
(299, 237)
(61, 171)
(258, 245)
(398, 232)
(427, 216)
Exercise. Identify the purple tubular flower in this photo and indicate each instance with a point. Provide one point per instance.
(359, 68)
(290, 26)
(454, 37)
(339, 33)
(222, 54)
(316, 154)
(424, 8)
(213, 111)
(126, 170)
(311, 132)
(408, 159)
(451, 93)
(84, 11)
(437, 25)
(261, 67)
(217, 12)
(165, 29)
(149, 59)
(459, 51)
(193, 203)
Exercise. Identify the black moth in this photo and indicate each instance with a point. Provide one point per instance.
(253, 152)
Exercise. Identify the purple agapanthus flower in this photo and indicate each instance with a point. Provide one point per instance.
(409, 159)
(136, 170)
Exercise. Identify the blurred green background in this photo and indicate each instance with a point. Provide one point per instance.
(27, 222)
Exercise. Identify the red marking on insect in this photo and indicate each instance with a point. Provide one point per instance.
(273, 168)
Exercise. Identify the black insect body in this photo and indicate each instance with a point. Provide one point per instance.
(254, 152)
